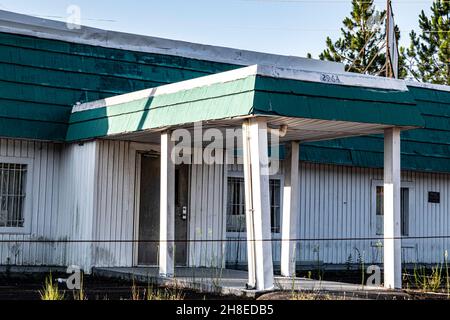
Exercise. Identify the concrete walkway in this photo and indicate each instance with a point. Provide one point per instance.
(229, 282)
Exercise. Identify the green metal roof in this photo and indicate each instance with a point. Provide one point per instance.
(240, 93)
(41, 79)
(424, 149)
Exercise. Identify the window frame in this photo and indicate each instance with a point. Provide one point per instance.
(373, 217)
(239, 174)
(26, 229)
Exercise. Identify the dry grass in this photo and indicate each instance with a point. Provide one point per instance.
(50, 291)
(311, 296)
(151, 293)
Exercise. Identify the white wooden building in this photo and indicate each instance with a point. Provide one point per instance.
(82, 151)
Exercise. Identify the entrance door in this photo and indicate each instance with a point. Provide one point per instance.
(149, 211)
(181, 213)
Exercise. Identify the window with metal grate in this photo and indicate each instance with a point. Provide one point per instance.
(13, 178)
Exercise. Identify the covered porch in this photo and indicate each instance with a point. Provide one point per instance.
(264, 108)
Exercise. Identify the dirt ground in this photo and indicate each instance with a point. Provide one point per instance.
(28, 287)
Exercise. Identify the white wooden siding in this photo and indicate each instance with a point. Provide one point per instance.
(87, 192)
(336, 202)
(76, 205)
(45, 217)
(114, 209)
(207, 215)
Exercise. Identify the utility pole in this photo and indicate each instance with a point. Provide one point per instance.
(392, 53)
(389, 73)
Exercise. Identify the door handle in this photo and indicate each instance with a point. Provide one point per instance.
(184, 213)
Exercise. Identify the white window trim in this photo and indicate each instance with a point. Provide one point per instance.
(404, 184)
(280, 177)
(27, 211)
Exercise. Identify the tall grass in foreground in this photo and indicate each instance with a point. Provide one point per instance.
(80, 294)
(50, 290)
(164, 294)
(152, 293)
(447, 282)
(427, 282)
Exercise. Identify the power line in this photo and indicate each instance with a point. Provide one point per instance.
(378, 238)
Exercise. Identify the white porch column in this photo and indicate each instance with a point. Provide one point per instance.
(257, 204)
(167, 208)
(290, 211)
(392, 216)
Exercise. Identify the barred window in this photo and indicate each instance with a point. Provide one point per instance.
(12, 194)
(236, 205)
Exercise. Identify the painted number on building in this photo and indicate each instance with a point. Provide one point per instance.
(330, 78)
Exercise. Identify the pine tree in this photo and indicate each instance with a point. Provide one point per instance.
(428, 57)
(360, 47)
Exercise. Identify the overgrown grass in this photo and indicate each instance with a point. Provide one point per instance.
(164, 294)
(428, 282)
(310, 296)
(155, 293)
(80, 295)
(51, 290)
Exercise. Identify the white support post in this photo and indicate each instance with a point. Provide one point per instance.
(167, 208)
(392, 216)
(257, 204)
(290, 211)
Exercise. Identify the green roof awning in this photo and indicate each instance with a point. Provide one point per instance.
(250, 91)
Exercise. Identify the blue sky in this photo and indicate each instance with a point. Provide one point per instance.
(291, 27)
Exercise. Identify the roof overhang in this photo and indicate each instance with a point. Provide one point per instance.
(315, 105)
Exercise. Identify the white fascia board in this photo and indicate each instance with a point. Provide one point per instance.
(431, 86)
(37, 27)
(344, 78)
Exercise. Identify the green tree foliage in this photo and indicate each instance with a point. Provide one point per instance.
(362, 40)
(428, 57)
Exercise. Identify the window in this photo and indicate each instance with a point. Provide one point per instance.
(13, 177)
(236, 205)
(404, 210)
(275, 206)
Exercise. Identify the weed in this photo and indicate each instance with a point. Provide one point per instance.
(164, 294)
(50, 290)
(447, 282)
(80, 294)
(427, 282)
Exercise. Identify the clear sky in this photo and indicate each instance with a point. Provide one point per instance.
(291, 27)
